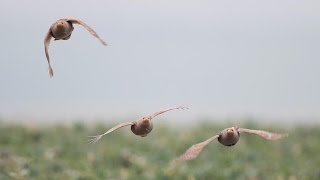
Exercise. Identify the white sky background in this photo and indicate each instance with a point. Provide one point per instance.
(221, 58)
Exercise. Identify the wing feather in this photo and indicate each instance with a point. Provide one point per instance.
(88, 28)
(195, 150)
(166, 110)
(265, 134)
(47, 40)
(94, 139)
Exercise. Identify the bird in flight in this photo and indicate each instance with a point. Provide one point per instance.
(62, 30)
(227, 137)
(141, 127)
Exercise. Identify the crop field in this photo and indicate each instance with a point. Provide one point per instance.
(61, 152)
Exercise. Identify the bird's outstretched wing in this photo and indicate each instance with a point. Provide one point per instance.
(47, 40)
(87, 27)
(166, 110)
(195, 150)
(94, 139)
(264, 134)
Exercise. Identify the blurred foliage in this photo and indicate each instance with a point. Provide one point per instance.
(61, 152)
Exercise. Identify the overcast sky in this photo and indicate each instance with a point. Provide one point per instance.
(221, 58)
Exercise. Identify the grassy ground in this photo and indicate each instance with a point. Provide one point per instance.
(61, 152)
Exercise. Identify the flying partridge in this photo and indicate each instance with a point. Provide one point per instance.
(227, 137)
(141, 127)
(62, 30)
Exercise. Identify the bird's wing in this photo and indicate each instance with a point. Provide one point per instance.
(166, 110)
(195, 150)
(264, 134)
(88, 28)
(94, 139)
(47, 40)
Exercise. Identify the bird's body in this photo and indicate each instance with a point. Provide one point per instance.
(227, 137)
(62, 30)
(141, 127)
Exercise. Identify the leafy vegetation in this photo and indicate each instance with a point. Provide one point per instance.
(61, 152)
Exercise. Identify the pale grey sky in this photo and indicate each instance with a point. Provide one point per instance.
(221, 58)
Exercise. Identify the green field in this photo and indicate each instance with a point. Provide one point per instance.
(61, 152)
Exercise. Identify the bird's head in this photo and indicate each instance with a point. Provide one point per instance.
(146, 120)
(61, 24)
(230, 131)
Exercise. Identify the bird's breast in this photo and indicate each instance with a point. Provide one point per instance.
(141, 129)
(61, 32)
(228, 140)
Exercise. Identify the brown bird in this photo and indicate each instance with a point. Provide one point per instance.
(62, 30)
(227, 137)
(141, 127)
